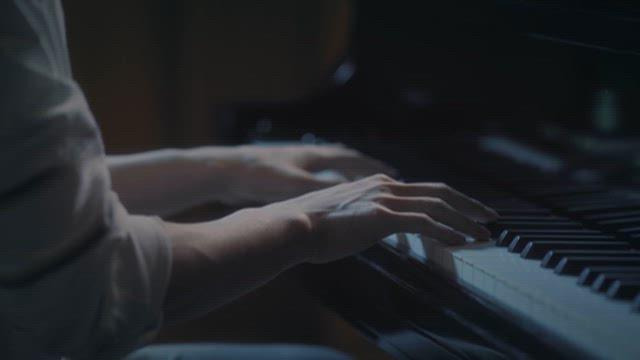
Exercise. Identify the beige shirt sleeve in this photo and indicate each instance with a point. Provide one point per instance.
(79, 276)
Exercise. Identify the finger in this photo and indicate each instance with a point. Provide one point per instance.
(423, 224)
(464, 204)
(439, 211)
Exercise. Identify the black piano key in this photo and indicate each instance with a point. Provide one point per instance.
(508, 211)
(636, 304)
(630, 230)
(573, 265)
(603, 208)
(553, 257)
(589, 275)
(604, 280)
(633, 239)
(624, 289)
(520, 241)
(572, 193)
(615, 215)
(498, 227)
(538, 249)
(502, 225)
(569, 190)
(506, 236)
(624, 222)
(585, 201)
(532, 218)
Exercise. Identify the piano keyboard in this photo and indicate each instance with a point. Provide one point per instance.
(567, 262)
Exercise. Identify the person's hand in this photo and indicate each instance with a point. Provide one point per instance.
(345, 219)
(265, 174)
(216, 261)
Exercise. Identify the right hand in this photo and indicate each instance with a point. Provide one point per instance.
(348, 218)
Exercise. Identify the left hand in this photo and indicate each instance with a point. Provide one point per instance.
(264, 174)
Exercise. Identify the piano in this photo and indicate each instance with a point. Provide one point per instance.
(529, 106)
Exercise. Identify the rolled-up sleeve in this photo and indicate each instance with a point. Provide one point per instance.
(79, 276)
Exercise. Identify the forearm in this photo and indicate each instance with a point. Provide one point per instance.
(215, 262)
(165, 181)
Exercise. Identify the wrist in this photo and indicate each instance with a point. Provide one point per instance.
(284, 238)
(297, 231)
(299, 236)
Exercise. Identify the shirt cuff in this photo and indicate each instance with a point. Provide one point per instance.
(155, 256)
(140, 276)
(154, 247)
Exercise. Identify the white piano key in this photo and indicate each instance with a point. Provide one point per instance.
(591, 321)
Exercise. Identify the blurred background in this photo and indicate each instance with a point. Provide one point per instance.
(559, 75)
(156, 72)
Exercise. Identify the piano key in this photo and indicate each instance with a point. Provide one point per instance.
(553, 257)
(573, 265)
(603, 208)
(524, 225)
(624, 289)
(589, 275)
(542, 224)
(538, 295)
(506, 236)
(604, 280)
(632, 235)
(615, 215)
(533, 218)
(633, 221)
(570, 190)
(519, 242)
(591, 195)
(590, 201)
(506, 211)
(576, 198)
(499, 201)
(538, 249)
(630, 230)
